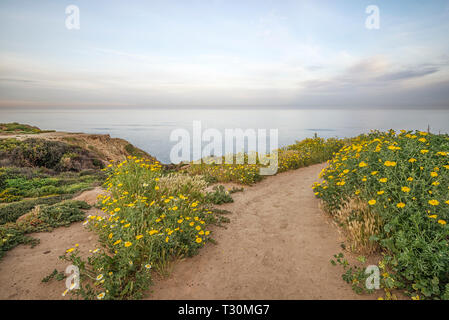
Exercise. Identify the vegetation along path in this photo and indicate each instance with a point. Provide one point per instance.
(277, 246)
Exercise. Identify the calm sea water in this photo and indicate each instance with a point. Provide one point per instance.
(150, 129)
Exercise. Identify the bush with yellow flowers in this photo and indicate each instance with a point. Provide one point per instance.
(401, 182)
(307, 152)
(300, 154)
(241, 168)
(142, 226)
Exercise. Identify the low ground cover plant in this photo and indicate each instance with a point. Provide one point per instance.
(18, 128)
(389, 192)
(19, 183)
(10, 212)
(41, 218)
(22, 189)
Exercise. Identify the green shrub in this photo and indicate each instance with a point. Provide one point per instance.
(61, 214)
(135, 152)
(145, 227)
(219, 196)
(98, 163)
(403, 179)
(235, 190)
(56, 155)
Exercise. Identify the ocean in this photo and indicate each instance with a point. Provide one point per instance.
(150, 129)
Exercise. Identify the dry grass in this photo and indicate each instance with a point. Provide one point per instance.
(358, 223)
(175, 183)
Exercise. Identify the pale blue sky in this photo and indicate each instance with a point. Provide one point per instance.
(219, 53)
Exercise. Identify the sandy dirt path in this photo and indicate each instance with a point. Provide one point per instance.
(277, 246)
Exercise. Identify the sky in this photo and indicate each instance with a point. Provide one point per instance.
(224, 54)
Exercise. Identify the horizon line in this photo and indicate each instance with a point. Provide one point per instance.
(243, 107)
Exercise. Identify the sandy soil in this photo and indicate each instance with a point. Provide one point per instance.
(277, 246)
(23, 268)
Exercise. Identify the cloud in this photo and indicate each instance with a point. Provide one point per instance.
(373, 72)
(409, 73)
(314, 67)
(15, 80)
(368, 67)
(121, 78)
